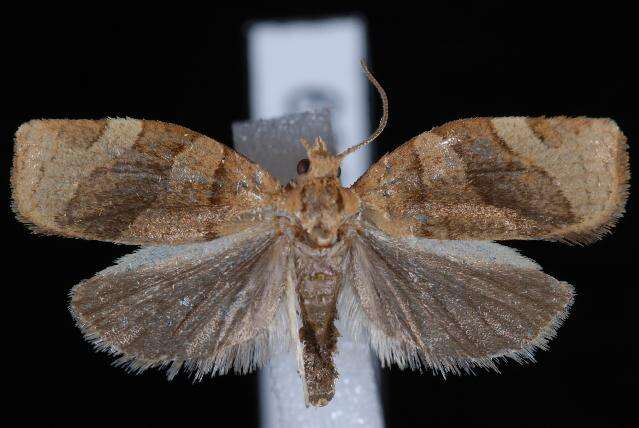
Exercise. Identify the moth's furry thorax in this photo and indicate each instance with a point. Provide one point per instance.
(316, 201)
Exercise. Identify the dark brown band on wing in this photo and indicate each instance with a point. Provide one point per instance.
(502, 179)
(220, 175)
(545, 132)
(134, 182)
(89, 133)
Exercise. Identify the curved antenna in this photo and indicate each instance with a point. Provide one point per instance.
(382, 121)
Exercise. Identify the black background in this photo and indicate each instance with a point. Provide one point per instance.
(437, 64)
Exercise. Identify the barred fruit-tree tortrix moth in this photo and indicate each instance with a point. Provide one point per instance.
(235, 267)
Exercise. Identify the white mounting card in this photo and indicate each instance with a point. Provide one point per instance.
(298, 66)
(294, 67)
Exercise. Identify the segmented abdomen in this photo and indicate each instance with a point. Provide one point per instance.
(317, 290)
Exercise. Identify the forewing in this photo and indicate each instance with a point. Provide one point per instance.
(449, 305)
(502, 178)
(133, 181)
(209, 307)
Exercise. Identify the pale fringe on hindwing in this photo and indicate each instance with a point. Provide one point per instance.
(405, 355)
(242, 358)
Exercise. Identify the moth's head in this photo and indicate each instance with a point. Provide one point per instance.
(319, 163)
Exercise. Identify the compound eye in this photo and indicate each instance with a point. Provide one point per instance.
(303, 166)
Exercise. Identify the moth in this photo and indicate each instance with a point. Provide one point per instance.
(234, 267)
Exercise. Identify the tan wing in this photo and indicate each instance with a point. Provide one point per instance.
(209, 307)
(133, 181)
(449, 305)
(502, 178)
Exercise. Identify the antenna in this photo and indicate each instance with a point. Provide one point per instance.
(382, 121)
